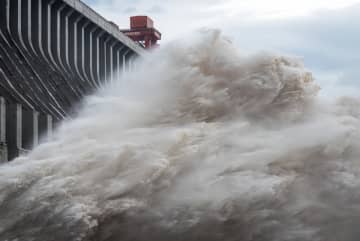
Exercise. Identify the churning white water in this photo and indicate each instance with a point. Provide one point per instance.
(201, 144)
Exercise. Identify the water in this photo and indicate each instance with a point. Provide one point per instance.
(205, 144)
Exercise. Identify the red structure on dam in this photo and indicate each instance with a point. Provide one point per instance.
(142, 31)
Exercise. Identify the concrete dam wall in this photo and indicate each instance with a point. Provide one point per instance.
(52, 54)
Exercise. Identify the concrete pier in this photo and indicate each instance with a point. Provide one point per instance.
(52, 54)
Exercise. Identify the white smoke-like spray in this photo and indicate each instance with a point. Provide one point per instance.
(204, 144)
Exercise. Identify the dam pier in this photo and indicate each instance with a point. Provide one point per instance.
(52, 54)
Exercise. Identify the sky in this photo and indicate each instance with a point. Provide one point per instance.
(325, 33)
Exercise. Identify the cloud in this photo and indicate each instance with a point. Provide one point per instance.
(328, 42)
(350, 78)
(130, 10)
(156, 9)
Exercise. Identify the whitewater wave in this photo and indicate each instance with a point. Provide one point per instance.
(206, 144)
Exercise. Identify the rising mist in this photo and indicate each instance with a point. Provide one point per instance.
(206, 144)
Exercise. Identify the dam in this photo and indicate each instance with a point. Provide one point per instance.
(197, 141)
(52, 54)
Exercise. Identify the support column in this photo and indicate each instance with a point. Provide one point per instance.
(109, 60)
(98, 56)
(125, 70)
(45, 125)
(42, 30)
(106, 62)
(29, 30)
(8, 15)
(14, 130)
(91, 52)
(51, 32)
(29, 129)
(120, 62)
(69, 34)
(112, 62)
(78, 45)
(19, 128)
(60, 37)
(42, 125)
(35, 129)
(131, 64)
(84, 44)
(3, 146)
(3, 7)
(19, 22)
(49, 127)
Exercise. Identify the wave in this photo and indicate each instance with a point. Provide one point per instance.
(206, 144)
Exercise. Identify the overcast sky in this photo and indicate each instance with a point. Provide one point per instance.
(326, 33)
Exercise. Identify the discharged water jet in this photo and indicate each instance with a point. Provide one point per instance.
(206, 145)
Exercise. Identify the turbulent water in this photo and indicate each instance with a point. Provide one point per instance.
(204, 144)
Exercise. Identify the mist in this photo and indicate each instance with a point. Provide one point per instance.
(206, 144)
